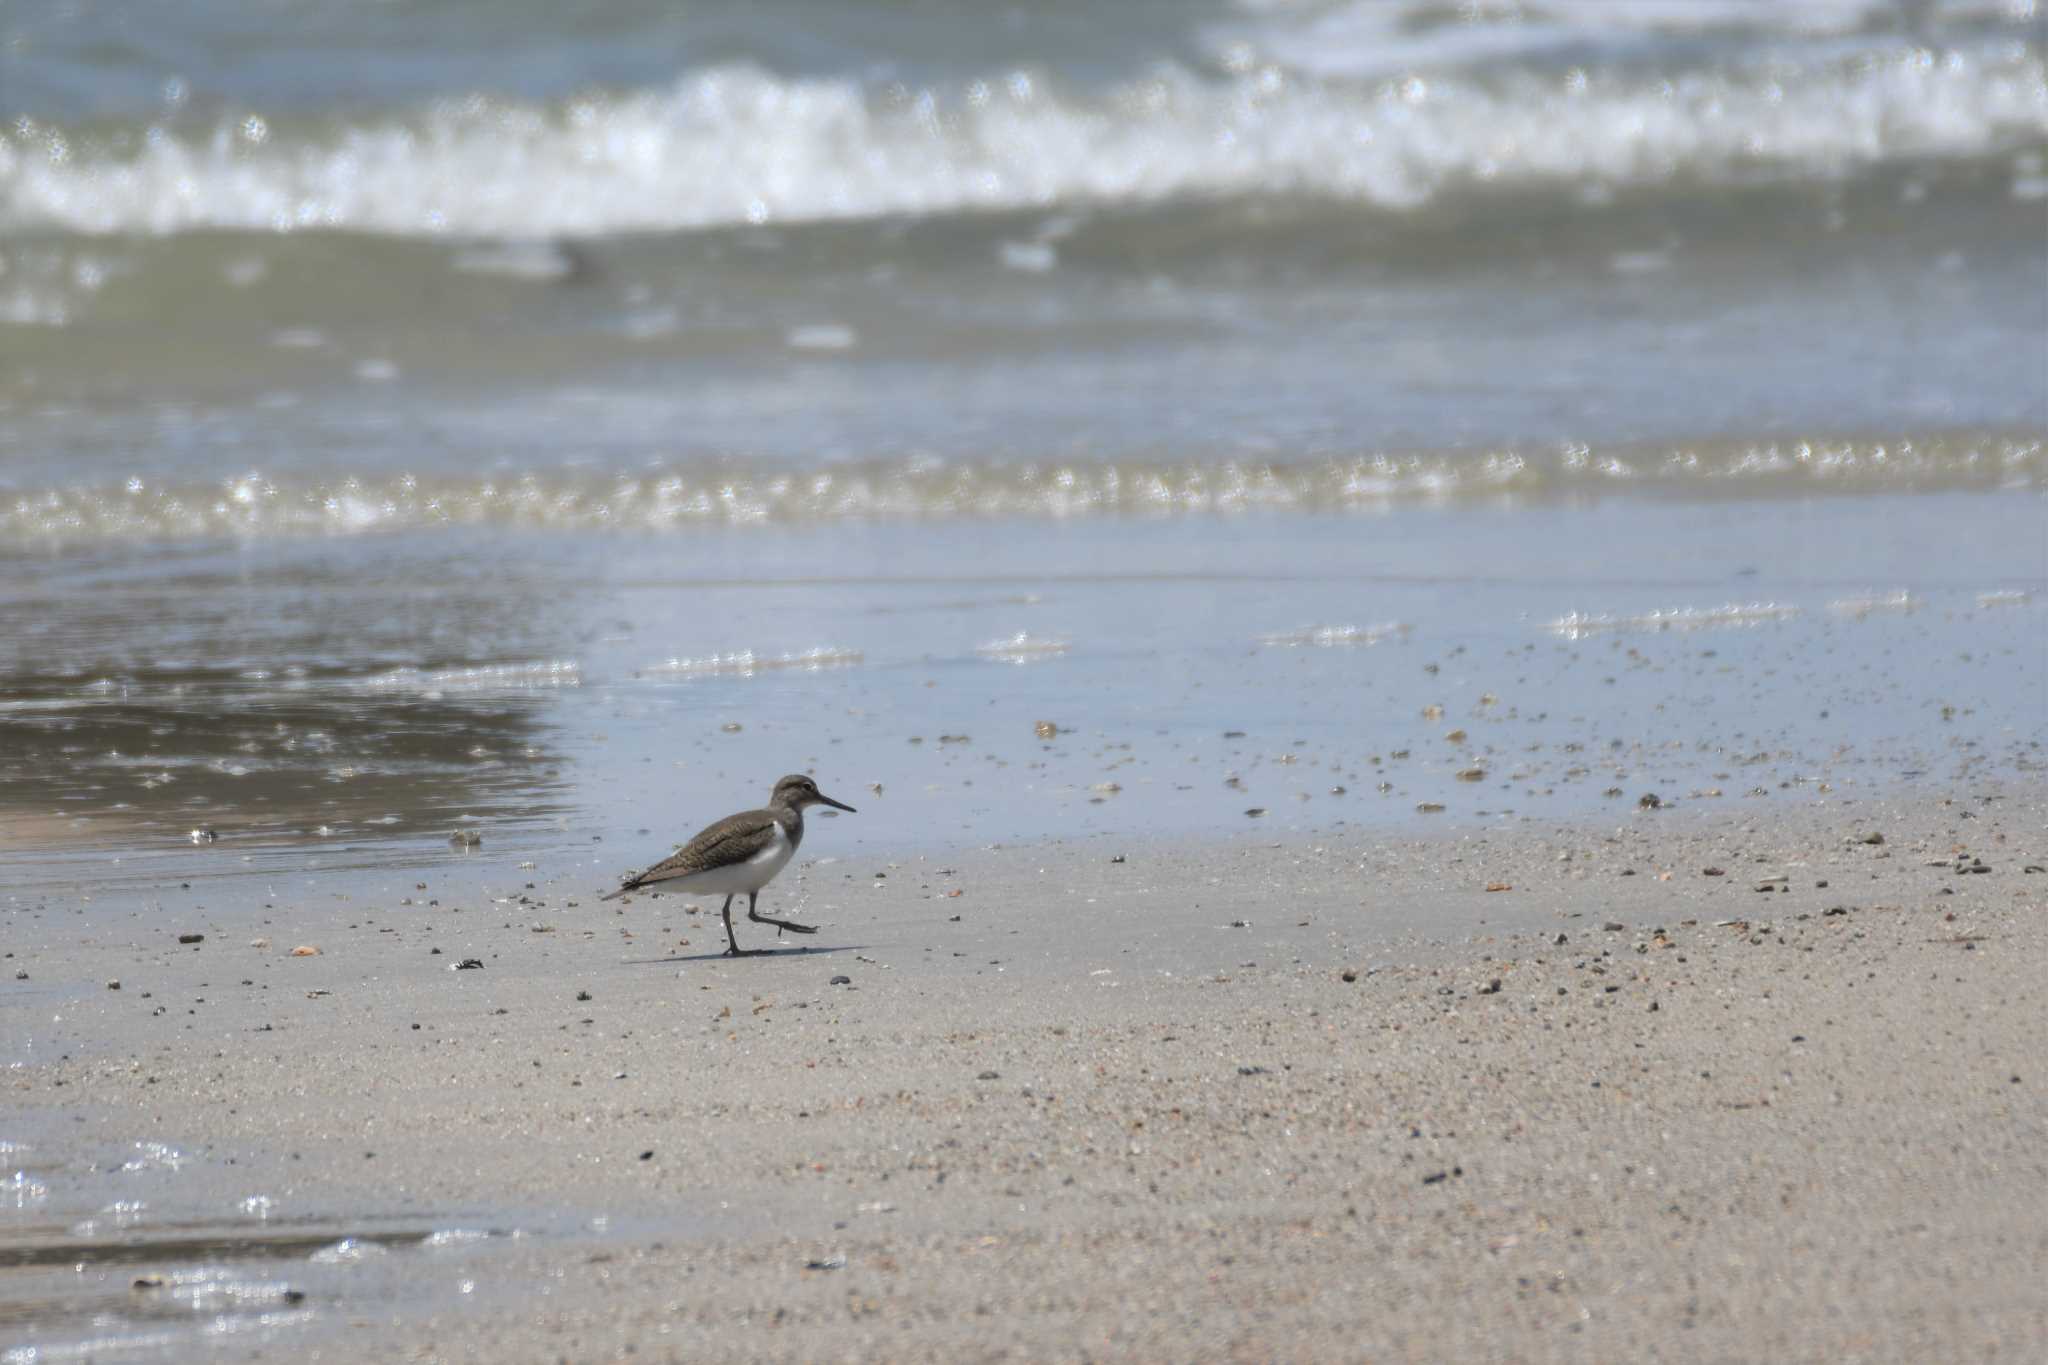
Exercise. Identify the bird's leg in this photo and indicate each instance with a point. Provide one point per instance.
(760, 918)
(732, 944)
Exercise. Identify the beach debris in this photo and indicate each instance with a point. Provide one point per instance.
(1614, 927)
(1491, 988)
(1045, 729)
(1252, 1071)
(842, 980)
(1473, 774)
(1500, 886)
(1433, 711)
(1874, 837)
(1430, 807)
(826, 1263)
(466, 838)
(583, 995)
(1256, 811)
(989, 1076)
(1455, 736)
(114, 985)
(1349, 974)
(191, 938)
(468, 964)
(1649, 801)
(305, 950)
(1713, 872)
(731, 727)
(202, 836)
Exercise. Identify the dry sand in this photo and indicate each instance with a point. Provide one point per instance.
(1622, 1110)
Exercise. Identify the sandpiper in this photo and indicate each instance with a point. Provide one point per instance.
(741, 853)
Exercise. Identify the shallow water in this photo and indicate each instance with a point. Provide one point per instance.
(284, 705)
(150, 1249)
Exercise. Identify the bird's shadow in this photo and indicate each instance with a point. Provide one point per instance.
(722, 956)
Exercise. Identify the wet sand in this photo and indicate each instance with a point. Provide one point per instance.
(1325, 1097)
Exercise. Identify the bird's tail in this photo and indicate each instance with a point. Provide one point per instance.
(614, 895)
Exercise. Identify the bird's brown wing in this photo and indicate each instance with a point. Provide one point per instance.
(734, 839)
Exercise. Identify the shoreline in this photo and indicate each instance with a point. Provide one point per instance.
(1116, 1109)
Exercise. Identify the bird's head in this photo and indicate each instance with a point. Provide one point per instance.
(797, 791)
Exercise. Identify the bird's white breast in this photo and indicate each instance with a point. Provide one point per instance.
(742, 877)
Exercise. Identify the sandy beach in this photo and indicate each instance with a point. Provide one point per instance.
(1759, 1083)
(1436, 614)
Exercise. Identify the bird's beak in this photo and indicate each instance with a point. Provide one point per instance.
(841, 805)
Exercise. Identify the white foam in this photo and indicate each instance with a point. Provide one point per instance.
(348, 1251)
(746, 663)
(736, 145)
(1327, 637)
(490, 677)
(1580, 625)
(1023, 647)
(1897, 600)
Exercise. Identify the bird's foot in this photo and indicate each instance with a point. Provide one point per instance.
(790, 925)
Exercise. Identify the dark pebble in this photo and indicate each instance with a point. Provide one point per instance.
(191, 938)
(842, 981)
(989, 1076)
